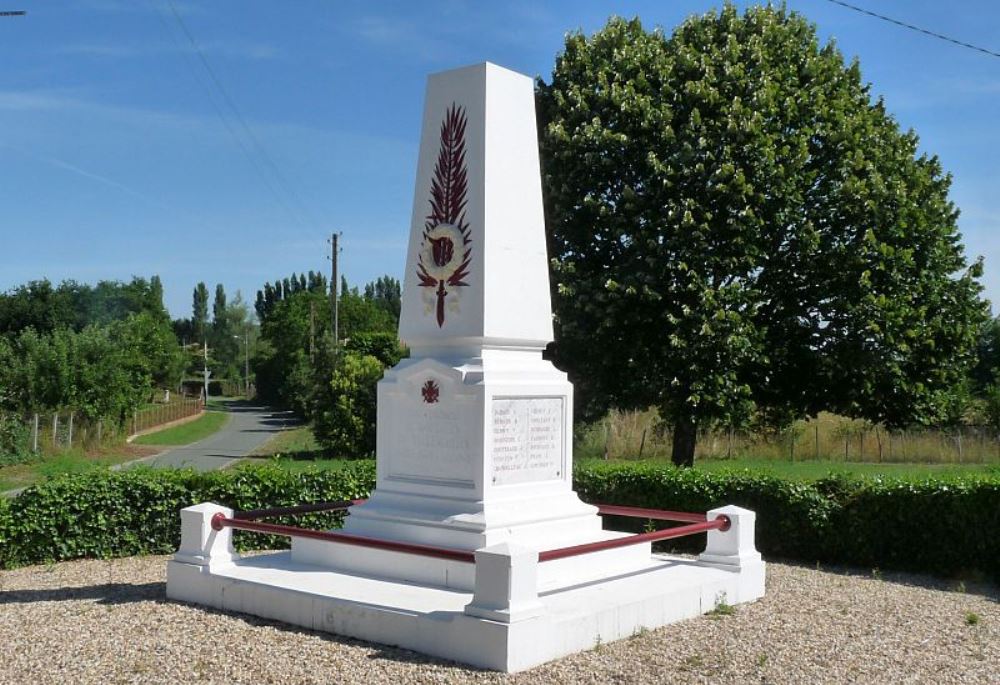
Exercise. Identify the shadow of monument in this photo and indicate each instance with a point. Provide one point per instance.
(107, 593)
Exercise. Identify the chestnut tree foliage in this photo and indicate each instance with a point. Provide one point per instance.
(738, 227)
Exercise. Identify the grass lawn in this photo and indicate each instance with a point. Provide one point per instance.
(185, 434)
(295, 450)
(814, 470)
(70, 461)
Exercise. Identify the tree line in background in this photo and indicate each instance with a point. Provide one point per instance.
(95, 350)
(299, 365)
(734, 214)
(730, 213)
(227, 337)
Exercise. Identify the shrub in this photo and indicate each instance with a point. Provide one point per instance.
(344, 413)
(15, 439)
(124, 513)
(943, 526)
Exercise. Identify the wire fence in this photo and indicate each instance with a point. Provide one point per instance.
(68, 429)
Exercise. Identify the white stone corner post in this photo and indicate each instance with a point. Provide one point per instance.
(506, 584)
(200, 543)
(734, 549)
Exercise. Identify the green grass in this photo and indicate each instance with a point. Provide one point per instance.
(50, 466)
(185, 434)
(295, 450)
(814, 470)
(827, 437)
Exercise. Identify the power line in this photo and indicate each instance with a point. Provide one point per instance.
(287, 187)
(254, 150)
(229, 127)
(914, 28)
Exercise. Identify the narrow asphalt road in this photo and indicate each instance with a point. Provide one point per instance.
(248, 427)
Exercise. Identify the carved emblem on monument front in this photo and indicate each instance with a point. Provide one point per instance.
(431, 392)
(445, 251)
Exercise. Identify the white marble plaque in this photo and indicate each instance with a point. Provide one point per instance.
(431, 443)
(527, 439)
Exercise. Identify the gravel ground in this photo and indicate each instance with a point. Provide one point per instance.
(110, 622)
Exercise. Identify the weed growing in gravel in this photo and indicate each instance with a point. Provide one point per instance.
(641, 631)
(876, 573)
(761, 660)
(960, 586)
(722, 608)
(694, 661)
(972, 618)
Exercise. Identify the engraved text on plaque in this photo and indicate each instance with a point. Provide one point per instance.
(527, 439)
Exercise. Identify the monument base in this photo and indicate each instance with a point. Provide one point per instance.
(508, 608)
(434, 620)
(457, 575)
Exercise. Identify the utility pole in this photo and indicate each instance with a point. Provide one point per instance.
(206, 372)
(246, 362)
(334, 286)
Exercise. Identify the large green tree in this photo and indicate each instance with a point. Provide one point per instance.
(735, 223)
(199, 313)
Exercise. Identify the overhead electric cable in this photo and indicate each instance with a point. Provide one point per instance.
(862, 10)
(264, 177)
(248, 142)
(287, 187)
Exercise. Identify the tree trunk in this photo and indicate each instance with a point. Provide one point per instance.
(685, 437)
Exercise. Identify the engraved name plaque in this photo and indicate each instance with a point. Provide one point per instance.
(431, 443)
(527, 439)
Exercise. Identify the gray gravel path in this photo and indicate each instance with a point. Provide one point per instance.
(109, 622)
(248, 427)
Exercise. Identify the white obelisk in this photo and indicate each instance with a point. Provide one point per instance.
(475, 428)
(474, 446)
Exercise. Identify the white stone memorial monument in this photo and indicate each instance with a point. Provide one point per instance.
(474, 444)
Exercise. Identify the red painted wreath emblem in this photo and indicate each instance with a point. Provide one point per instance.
(445, 254)
(430, 391)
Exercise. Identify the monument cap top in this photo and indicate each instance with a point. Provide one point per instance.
(477, 271)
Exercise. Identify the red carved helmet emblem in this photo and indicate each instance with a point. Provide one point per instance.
(430, 391)
(444, 250)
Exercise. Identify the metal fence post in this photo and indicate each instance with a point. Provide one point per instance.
(34, 435)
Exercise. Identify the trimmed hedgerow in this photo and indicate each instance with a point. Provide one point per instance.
(942, 526)
(124, 513)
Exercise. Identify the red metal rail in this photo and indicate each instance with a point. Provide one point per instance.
(654, 514)
(246, 520)
(254, 514)
(720, 523)
(219, 521)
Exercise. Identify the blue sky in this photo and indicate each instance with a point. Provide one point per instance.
(115, 161)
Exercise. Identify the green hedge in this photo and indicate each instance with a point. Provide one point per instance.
(125, 513)
(946, 526)
(942, 526)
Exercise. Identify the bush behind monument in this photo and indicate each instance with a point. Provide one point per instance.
(944, 526)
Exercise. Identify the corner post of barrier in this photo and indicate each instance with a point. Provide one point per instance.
(201, 544)
(733, 548)
(506, 588)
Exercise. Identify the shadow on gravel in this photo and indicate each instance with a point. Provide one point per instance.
(377, 651)
(971, 586)
(109, 593)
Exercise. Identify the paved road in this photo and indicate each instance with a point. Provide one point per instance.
(248, 427)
